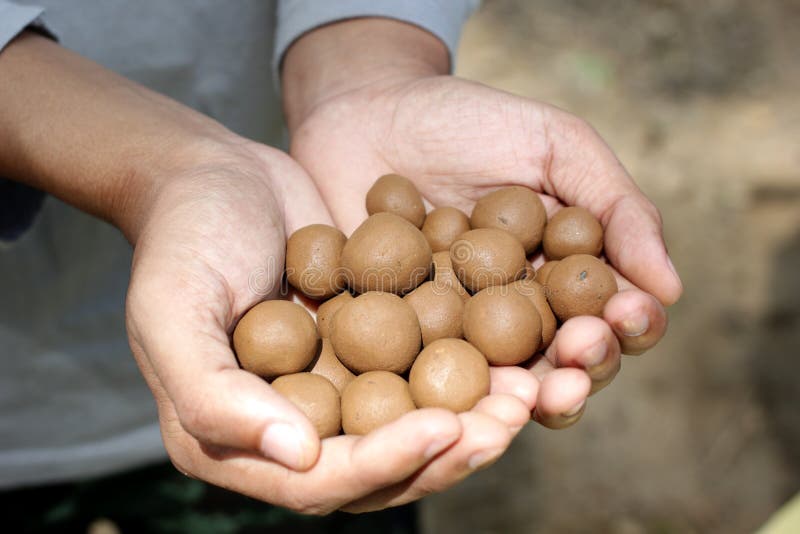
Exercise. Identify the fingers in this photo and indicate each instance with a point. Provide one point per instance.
(638, 320)
(583, 171)
(562, 395)
(515, 381)
(588, 343)
(507, 409)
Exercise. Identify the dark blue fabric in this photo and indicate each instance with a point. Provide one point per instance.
(19, 205)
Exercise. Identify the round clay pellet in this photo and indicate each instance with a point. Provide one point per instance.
(313, 255)
(328, 365)
(517, 210)
(396, 194)
(444, 276)
(316, 397)
(487, 257)
(543, 273)
(530, 272)
(276, 337)
(451, 374)
(440, 311)
(376, 332)
(443, 226)
(503, 325)
(573, 230)
(374, 399)
(326, 311)
(386, 253)
(580, 285)
(535, 292)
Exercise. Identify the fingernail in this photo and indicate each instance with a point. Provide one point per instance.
(484, 458)
(575, 409)
(595, 355)
(634, 325)
(439, 445)
(285, 444)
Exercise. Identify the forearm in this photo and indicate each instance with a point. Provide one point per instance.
(347, 55)
(87, 135)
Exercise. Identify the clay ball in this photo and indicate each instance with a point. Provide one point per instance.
(326, 311)
(544, 272)
(328, 366)
(276, 337)
(316, 397)
(572, 230)
(451, 374)
(386, 253)
(440, 311)
(443, 226)
(487, 257)
(396, 194)
(535, 292)
(580, 285)
(313, 255)
(445, 276)
(503, 325)
(517, 210)
(376, 332)
(374, 399)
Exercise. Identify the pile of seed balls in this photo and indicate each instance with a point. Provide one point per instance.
(416, 307)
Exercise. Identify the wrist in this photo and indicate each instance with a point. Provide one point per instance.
(345, 56)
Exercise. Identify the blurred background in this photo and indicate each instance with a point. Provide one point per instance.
(700, 102)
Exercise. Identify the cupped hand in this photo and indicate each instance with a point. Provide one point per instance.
(459, 140)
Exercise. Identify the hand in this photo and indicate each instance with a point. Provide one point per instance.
(458, 140)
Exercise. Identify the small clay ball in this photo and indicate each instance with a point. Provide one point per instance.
(543, 273)
(443, 226)
(536, 294)
(276, 337)
(444, 275)
(440, 311)
(386, 253)
(328, 365)
(316, 397)
(326, 311)
(374, 399)
(530, 272)
(580, 285)
(313, 255)
(396, 194)
(487, 257)
(451, 374)
(503, 325)
(376, 332)
(517, 210)
(571, 231)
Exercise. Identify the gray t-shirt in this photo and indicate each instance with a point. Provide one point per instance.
(72, 402)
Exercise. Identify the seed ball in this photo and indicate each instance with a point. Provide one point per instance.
(444, 275)
(328, 366)
(386, 253)
(580, 285)
(316, 397)
(503, 325)
(487, 257)
(326, 311)
(536, 294)
(396, 194)
(376, 332)
(451, 374)
(544, 272)
(530, 272)
(313, 255)
(572, 230)
(276, 337)
(517, 210)
(440, 311)
(443, 226)
(374, 399)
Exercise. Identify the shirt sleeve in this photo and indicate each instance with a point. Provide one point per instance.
(443, 18)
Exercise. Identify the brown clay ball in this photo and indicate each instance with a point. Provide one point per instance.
(451, 374)
(328, 365)
(544, 271)
(503, 325)
(386, 253)
(580, 285)
(487, 257)
(535, 292)
(443, 226)
(276, 337)
(445, 276)
(316, 397)
(313, 255)
(376, 332)
(517, 210)
(396, 194)
(326, 311)
(440, 311)
(374, 399)
(572, 230)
